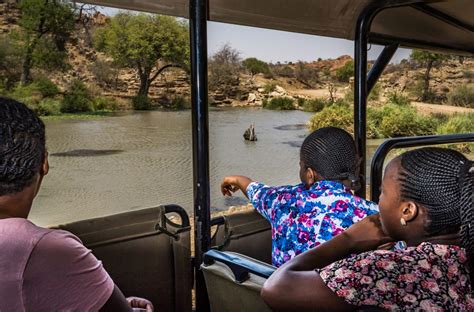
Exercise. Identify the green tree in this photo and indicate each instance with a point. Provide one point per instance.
(428, 60)
(255, 66)
(10, 62)
(148, 43)
(46, 25)
(344, 73)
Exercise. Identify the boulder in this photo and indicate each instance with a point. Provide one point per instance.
(252, 98)
(280, 90)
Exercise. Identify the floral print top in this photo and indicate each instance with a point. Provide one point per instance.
(304, 218)
(429, 277)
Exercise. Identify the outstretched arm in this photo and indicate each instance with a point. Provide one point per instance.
(232, 184)
(297, 286)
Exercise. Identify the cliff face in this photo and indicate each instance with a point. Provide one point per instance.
(97, 71)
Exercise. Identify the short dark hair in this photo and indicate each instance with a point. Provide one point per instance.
(442, 181)
(331, 152)
(22, 146)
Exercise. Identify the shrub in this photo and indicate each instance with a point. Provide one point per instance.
(399, 121)
(105, 104)
(77, 99)
(49, 107)
(46, 87)
(141, 102)
(459, 123)
(105, 72)
(269, 87)
(462, 95)
(312, 105)
(469, 74)
(284, 71)
(398, 98)
(279, 103)
(180, 102)
(344, 73)
(255, 66)
(374, 95)
(340, 116)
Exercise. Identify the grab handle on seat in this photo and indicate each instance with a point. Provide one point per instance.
(240, 266)
(180, 211)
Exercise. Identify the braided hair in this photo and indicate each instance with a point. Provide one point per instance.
(331, 152)
(22, 146)
(442, 181)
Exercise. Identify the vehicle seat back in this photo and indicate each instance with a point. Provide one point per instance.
(234, 288)
(246, 233)
(145, 253)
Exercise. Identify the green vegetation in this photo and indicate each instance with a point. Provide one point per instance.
(340, 116)
(141, 102)
(77, 99)
(269, 87)
(427, 60)
(344, 73)
(398, 99)
(105, 104)
(459, 123)
(45, 28)
(256, 66)
(312, 105)
(279, 103)
(179, 102)
(390, 120)
(462, 95)
(141, 41)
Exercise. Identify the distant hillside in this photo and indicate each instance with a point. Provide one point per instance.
(97, 71)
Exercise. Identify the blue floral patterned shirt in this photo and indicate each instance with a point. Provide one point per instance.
(305, 218)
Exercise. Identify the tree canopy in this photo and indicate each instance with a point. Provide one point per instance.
(46, 25)
(148, 43)
(256, 66)
(428, 60)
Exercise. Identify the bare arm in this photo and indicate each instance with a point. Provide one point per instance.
(118, 303)
(232, 184)
(296, 285)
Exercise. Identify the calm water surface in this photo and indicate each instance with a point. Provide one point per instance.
(116, 164)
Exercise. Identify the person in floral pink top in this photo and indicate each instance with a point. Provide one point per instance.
(427, 201)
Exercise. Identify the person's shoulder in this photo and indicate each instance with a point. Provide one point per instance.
(60, 241)
(20, 232)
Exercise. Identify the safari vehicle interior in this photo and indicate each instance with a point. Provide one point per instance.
(148, 252)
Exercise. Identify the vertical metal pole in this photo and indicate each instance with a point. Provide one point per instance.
(198, 10)
(360, 94)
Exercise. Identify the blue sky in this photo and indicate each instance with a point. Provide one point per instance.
(274, 46)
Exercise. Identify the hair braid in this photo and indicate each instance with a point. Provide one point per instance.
(467, 213)
(442, 181)
(22, 146)
(331, 152)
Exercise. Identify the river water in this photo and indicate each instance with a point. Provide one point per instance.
(143, 159)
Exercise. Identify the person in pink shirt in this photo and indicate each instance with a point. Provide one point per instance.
(42, 269)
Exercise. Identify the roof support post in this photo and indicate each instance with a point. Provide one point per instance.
(198, 15)
(382, 61)
(360, 90)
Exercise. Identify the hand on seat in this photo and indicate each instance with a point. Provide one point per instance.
(140, 303)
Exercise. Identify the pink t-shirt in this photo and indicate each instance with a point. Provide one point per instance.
(48, 270)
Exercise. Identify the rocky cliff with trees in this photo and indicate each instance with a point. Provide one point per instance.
(68, 57)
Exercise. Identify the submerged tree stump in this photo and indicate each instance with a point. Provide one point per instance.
(249, 134)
